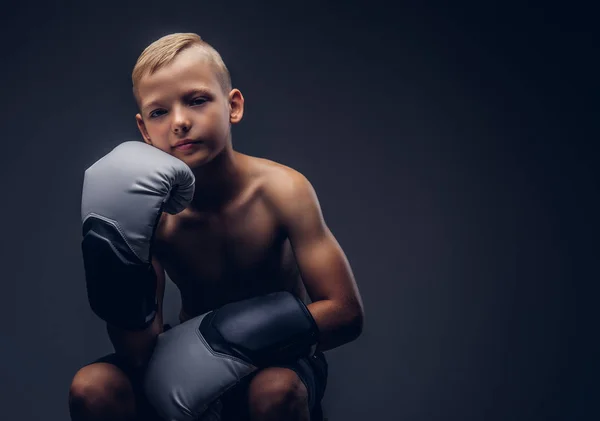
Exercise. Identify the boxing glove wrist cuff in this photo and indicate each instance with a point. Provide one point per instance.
(262, 331)
(121, 288)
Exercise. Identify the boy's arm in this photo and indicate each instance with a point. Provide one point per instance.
(137, 346)
(336, 303)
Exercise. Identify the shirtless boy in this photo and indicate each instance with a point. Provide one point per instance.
(253, 227)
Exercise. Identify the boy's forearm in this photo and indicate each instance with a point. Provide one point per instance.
(337, 324)
(135, 346)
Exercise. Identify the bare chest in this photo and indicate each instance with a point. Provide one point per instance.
(218, 258)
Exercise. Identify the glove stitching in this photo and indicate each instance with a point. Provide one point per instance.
(118, 227)
(219, 354)
(225, 356)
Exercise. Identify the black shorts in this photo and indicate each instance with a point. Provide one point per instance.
(313, 372)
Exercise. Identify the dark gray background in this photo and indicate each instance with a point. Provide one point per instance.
(453, 153)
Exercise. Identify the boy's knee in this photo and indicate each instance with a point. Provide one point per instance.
(98, 390)
(277, 390)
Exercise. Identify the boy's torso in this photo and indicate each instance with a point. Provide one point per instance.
(232, 254)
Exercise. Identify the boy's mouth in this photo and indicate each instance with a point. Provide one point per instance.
(186, 144)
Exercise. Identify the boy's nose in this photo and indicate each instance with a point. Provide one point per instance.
(181, 124)
(183, 128)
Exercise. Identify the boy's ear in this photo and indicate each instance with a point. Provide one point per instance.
(142, 127)
(236, 106)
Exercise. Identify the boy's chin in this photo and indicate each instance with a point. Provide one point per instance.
(196, 160)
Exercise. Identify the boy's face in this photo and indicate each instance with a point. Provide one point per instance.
(183, 110)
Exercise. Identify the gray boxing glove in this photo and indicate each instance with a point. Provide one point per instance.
(124, 195)
(194, 363)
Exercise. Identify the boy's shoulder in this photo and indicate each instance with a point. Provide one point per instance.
(280, 185)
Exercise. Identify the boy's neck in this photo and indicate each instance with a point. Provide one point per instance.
(218, 181)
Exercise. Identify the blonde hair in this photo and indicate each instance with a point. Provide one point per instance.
(164, 50)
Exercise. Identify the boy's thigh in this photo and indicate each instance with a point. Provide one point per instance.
(143, 408)
(312, 371)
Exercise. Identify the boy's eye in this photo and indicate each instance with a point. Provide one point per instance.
(198, 101)
(156, 113)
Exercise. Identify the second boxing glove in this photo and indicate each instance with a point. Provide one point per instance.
(196, 362)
